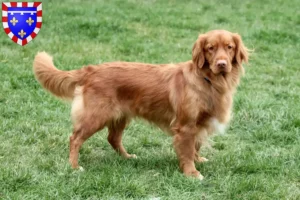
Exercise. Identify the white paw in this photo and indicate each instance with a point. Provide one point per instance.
(133, 156)
(200, 177)
(202, 159)
(80, 169)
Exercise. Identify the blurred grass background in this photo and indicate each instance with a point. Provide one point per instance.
(258, 158)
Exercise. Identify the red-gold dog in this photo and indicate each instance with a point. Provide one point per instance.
(189, 100)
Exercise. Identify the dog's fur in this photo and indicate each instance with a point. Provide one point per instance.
(189, 100)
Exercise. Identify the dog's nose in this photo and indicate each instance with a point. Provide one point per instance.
(221, 63)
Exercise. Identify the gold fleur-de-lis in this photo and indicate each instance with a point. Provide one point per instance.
(22, 33)
(29, 21)
(14, 21)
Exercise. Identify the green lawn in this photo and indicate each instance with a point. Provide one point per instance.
(258, 157)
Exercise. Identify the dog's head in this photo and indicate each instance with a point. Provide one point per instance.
(221, 50)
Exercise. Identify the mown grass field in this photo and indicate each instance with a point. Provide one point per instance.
(258, 157)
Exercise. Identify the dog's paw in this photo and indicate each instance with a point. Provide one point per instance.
(132, 156)
(129, 156)
(194, 174)
(201, 159)
(81, 169)
(200, 177)
(78, 169)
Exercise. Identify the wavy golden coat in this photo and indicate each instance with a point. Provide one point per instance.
(189, 100)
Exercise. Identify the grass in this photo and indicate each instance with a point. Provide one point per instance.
(258, 158)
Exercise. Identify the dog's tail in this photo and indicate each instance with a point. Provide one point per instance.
(60, 83)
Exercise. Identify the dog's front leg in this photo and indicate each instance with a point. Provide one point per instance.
(184, 144)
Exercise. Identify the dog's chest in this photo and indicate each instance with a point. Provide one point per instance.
(217, 127)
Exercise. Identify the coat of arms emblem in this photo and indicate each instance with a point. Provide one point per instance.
(22, 20)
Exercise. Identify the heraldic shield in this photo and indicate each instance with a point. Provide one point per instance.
(22, 20)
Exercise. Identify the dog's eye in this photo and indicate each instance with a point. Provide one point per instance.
(229, 47)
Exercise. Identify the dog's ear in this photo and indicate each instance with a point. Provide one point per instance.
(241, 52)
(198, 51)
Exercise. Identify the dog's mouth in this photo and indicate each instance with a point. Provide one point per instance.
(223, 73)
(218, 72)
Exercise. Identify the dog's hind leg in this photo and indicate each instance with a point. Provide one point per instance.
(87, 118)
(82, 131)
(115, 132)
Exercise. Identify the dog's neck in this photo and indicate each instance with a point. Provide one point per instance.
(207, 80)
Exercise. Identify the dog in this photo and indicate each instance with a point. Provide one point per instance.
(189, 100)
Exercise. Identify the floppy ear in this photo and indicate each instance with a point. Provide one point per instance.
(241, 52)
(198, 51)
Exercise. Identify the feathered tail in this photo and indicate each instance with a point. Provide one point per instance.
(60, 83)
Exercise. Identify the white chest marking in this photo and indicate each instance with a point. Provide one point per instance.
(218, 127)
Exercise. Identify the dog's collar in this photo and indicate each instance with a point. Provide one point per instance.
(207, 80)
